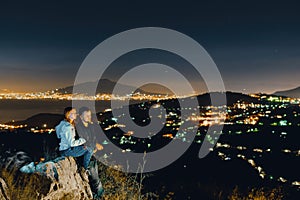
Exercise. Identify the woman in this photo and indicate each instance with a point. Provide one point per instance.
(69, 146)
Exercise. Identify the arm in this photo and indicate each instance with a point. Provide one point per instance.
(70, 137)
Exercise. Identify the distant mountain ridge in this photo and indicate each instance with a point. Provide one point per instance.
(105, 86)
(231, 98)
(294, 93)
(38, 120)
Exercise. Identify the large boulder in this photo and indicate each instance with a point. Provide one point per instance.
(70, 184)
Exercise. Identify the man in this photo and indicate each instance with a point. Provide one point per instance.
(86, 128)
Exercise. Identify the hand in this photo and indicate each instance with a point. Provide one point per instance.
(99, 147)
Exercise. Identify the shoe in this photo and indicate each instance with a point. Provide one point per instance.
(99, 190)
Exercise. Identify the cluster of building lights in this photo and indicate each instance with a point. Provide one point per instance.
(10, 127)
(43, 129)
(61, 96)
(261, 172)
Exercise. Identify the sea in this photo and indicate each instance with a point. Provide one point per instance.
(14, 109)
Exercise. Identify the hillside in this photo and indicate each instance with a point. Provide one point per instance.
(104, 86)
(294, 93)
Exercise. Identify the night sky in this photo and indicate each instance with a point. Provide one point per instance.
(256, 46)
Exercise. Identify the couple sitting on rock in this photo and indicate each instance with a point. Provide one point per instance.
(73, 145)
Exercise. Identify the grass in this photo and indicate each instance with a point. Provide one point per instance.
(24, 186)
(257, 194)
(121, 185)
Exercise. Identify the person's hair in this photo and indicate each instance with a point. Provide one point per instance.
(66, 112)
(83, 109)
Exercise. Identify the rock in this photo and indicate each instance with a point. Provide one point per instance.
(69, 184)
(3, 190)
(14, 161)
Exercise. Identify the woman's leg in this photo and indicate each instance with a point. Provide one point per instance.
(74, 152)
(78, 151)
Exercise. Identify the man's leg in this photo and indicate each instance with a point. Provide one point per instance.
(87, 157)
(94, 180)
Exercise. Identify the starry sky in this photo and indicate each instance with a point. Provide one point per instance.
(256, 45)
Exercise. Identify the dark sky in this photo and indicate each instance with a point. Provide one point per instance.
(256, 46)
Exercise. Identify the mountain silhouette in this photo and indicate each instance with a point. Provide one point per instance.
(231, 98)
(105, 86)
(294, 93)
(38, 120)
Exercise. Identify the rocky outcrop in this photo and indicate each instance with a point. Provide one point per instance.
(69, 182)
(3, 190)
